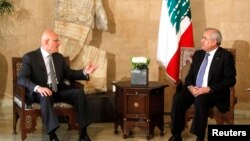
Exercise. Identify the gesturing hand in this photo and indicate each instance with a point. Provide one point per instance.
(90, 68)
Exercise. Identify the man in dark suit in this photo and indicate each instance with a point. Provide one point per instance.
(36, 76)
(213, 89)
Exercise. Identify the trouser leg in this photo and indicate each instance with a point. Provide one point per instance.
(77, 98)
(181, 102)
(49, 116)
(202, 104)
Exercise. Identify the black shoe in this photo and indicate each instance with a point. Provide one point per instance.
(86, 138)
(175, 138)
(199, 139)
(53, 136)
(55, 139)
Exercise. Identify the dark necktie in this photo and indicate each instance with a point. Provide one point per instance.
(52, 75)
(201, 72)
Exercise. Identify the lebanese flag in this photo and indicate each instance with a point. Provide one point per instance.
(175, 31)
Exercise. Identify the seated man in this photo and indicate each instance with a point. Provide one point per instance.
(207, 84)
(43, 72)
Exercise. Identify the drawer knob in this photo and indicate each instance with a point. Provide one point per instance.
(136, 104)
(136, 92)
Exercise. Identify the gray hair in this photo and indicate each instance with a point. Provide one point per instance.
(216, 35)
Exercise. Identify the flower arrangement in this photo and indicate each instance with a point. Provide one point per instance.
(140, 62)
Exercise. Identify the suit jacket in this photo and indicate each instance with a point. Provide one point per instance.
(33, 71)
(222, 73)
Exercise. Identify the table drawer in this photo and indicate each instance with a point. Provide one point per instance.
(137, 123)
(135, 91)
(136, 104)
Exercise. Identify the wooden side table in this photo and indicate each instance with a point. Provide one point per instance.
(139, 106)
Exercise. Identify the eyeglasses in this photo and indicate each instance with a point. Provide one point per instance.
(56, 40)
(205, 38)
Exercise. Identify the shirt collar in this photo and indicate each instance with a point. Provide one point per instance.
(211, 53)
(44, 53)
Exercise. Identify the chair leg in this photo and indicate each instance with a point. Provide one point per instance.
(222, 118)
(231, 120)
(27, 125)
(22, 128)
(72, 123)
(220, 121)
(15, 119)
(230, 117)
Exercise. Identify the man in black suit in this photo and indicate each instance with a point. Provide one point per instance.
(214, 89)
(35, 75)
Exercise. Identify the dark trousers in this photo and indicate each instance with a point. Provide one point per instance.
(75, 97)
(182, 100)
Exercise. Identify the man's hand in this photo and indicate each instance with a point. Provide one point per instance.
(44, 91)
(196, 91)
(90, 68)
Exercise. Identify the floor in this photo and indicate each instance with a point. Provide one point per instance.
(97, 131)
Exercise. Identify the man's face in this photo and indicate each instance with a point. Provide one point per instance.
(53, 44)
(207, 43)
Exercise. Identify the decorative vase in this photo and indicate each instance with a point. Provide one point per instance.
(139, 77)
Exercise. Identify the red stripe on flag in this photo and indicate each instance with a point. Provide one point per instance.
(187, 37)
(186, 40)
(173, 66)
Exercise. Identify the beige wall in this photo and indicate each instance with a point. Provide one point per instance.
(133, 30)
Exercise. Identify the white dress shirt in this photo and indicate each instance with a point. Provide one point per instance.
(210, 58)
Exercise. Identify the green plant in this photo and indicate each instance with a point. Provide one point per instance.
(6, 7)
(6, 10)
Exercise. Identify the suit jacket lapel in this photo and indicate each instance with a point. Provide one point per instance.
(214, 63)
(41, 63)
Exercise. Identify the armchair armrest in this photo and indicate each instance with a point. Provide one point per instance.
(73, 83)
(77, 84)
(19, 92)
